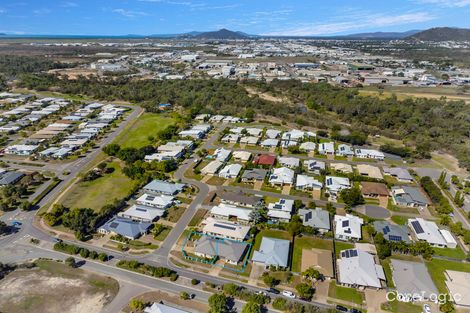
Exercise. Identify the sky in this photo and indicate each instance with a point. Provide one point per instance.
(261, 17)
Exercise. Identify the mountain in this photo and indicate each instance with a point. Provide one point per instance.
(222, 34)
(442, 34)
(382, 35)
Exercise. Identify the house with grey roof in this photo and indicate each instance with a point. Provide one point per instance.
(125, 227)
(272, 252)
(392, 232)
(10, 178)
(254, 175)
(314, 166)
(318, 219)
(400, 173)
(229, 251)
(412, 280)
(162, 308)
(239, 198)
(163, 187)
(142, 213)
(409, 196)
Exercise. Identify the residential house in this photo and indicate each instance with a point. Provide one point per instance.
(369, 171)
(255, 132)
(400, 173)
(289, 162)
(308, 146)
(272, 133)
(282, 176)
(326, 148)
(272, 252)
(156, 201)
(369, 154)
(344, 150)
(230, 171)
(142, 213)
(304, 182)
(231, 212)
(230, 138)
(409, 197)
(348, 227)
(10, 178)
(254, 175)
(241, 156)
(229, 251)
(222, 155)
(162, 187)
(266, 160)
(239, 198)
(281, 210)
(374, 190)
(392, 232)
(269, 143)
(341, 168)
(314, 166)
(429, 231)
(249, 140)
(357, 268)
(293, 135)
(319, 259)
(335, 184)
(212, 168)
(225, 229)
(162, 308)
(317, 218)
(125, 227)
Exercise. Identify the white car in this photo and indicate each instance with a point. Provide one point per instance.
(426, 308)
(288, 294)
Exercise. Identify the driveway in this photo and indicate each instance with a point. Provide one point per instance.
(373, 211)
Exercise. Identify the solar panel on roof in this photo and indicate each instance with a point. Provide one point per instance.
(282, 201)
(141, 210)
(394, 238)
(224, 226)
(386, 230)
(353, 253)
(417, 227)
(150, 198)
(347, 253)
(345, 223)
(113, 225)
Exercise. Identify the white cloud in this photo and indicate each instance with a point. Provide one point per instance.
(2, 11)
(129, 13)
(447, 3)
(69, 4)
(367, 21)
(42, 11)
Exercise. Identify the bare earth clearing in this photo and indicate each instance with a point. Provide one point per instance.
(54, 287)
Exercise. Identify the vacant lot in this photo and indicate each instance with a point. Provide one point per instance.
(54, 287)
(147, 125)
(95, 194)
(307, 242)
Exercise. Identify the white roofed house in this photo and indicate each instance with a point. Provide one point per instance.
(256, 132)
(212, 168)
(269, 143)
(222, 154)
(241, 156)
(335, 184)
(156, 201)
(249, 140)
(225, 229)
(230, 138)
(348, 227)
(314, 166)
(281, 210)
(307, 146)
(429, 231)
(344, 150)
(272, 133)
(289, 162)
(231, 212)
(293, 135)
(369, 154)
(282, 176)
(230, 171)
(23, 150)
(304, 182)
(357, 268)
(326, 148)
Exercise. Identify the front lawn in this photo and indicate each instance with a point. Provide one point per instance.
(307, 242)
(437, 268)
(147, 125)
(456, 253)
(103, 190)
(346, 294)
(174, 213)
(399, 307)
(399, 219)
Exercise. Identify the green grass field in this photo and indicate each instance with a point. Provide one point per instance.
(456, 253)
(436, 269)
(95, 194)
(399, 219)
(307, 243)
(137, 134)
(344, 293)
(399, 307)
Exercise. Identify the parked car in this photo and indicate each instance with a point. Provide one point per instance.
(341, 308)
(354, 310)
(274, 290)
(426, 308)
(288, 294)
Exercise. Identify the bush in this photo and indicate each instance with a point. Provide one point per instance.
(280, 304)
(194, 281)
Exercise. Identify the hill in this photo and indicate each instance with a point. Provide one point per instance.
(382, 35)
(442, 34)
(222, 34)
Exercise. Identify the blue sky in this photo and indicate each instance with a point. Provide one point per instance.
(268, 17)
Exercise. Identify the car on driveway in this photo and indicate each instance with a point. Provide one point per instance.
(354, 310)
(274, 290)
(288, 294)
(341, 308)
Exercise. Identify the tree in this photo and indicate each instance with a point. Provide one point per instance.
(26, 205)
(251, 307)
(217, 303)
(3, 228)
(112, 149)
(305, 291)
(137, 304)
(312, 273)
(269, 280)
(352, 196)
(447, 307)
(259, 215)
(230, 289)
(70, 261)
(184, 295)
(294, 227)
(330, 208)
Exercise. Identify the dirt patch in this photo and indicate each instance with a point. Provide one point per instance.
(265, 96)
(55, 287)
